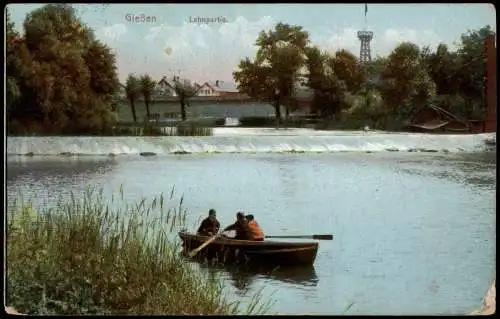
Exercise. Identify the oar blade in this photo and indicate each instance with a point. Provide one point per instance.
(323, 237)
(197, 250)
(317, 237)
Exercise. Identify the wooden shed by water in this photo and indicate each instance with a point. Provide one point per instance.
(433, 119)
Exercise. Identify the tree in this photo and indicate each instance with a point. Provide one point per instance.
(442, 68)
(349, 70)
(132, 89)
(184, 91)
(275, 70)
(330, 91)
(423, 89)
(459, 75)
(471, 73)
(148, 86)
(66, 78)
(404, 80)
(13, 92)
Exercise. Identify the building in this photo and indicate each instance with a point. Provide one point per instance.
(365, 37)
(218, 88)
(166, 87)
(205, 89)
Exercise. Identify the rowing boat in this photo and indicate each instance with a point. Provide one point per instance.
(230, 250)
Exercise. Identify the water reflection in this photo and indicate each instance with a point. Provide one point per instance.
(57, 168)
(47, 180)
(242, 277)
(476, 169)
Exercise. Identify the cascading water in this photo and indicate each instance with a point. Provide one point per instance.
(250, 140)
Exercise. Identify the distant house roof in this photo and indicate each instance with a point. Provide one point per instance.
(171, 82)
(222, 86)
(165, 81)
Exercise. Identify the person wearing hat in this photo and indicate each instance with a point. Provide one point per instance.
(210, 225)
(241, 227)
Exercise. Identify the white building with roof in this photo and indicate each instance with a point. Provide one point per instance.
(217, 88)
(166, 86)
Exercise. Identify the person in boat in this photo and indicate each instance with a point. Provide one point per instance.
(255, 230)
(241, 228)
(210, 225)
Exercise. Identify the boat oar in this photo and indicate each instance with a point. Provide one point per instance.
(205, 244)
(319, 237)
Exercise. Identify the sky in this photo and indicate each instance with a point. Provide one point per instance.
(172, 42)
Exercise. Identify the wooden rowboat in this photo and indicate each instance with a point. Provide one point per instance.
(246, 251)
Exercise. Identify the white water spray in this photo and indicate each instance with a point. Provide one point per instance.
(250, 140)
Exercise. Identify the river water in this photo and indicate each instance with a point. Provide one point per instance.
(414, 230)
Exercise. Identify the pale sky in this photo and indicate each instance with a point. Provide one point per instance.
(205, 52)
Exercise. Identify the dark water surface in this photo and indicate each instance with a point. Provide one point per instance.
(414, 233)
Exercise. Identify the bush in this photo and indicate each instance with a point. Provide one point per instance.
(85, 257)
(360, 114)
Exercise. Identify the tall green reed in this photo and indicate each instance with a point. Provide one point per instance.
(89, 255)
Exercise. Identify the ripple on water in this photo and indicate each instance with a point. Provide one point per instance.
(413, 232)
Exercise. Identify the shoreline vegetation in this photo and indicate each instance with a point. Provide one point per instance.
(85, 256)
(71, 86)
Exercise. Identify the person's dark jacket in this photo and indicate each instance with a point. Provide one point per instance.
(242, 230)
(209, 226)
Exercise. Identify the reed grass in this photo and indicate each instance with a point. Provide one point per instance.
(85, 256)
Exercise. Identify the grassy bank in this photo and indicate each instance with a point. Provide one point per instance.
(84, 257)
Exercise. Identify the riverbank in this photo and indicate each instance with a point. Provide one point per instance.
(86, 257)
(489, 302)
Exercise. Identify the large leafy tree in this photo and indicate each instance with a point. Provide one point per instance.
(349, 70)
(274, 72)
(471, 74)
(148, 86)
(405, 83)
(66, 78)
(13, 64)
(330, 90)
(459, 75)
(442, 68)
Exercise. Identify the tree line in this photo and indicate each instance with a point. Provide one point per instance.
(384, 92)
(60, 79)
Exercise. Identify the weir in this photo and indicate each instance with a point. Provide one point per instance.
(238, 140)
